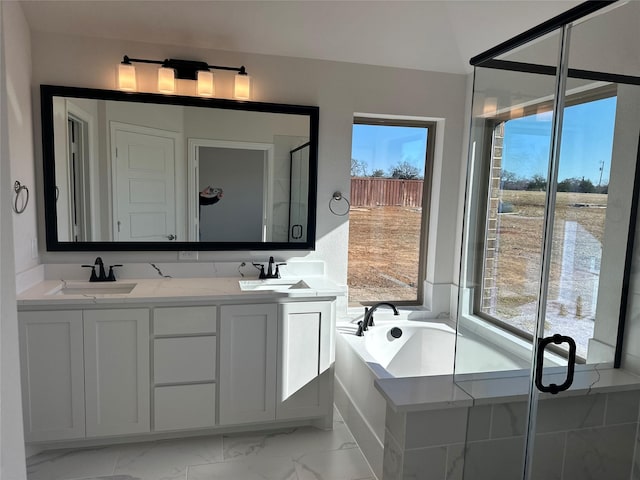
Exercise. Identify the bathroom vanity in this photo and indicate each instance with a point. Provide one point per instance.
(174, 355)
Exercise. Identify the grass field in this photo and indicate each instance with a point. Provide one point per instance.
(383, 253)
(384, 246)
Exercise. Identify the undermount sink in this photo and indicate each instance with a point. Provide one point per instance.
(92, 289)
(272, 284)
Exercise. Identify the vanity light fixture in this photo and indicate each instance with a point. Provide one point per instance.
(171, 68)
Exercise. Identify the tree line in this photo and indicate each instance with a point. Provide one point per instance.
(511, 181)
(401, 170)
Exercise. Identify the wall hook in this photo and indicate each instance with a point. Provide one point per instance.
(337, 197)
(17, 188)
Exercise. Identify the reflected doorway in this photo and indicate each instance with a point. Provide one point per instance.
(239, 175)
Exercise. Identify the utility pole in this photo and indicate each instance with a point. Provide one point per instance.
(601, 169)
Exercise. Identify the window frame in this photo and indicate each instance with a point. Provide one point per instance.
(598, 93)
(427, 188)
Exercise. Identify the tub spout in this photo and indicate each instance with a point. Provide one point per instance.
(368, 313)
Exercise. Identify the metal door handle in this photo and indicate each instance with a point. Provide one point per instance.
(171, 236)
(571, 363)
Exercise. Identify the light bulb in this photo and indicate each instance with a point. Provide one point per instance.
(206, 86)
(166, 80)
(242, 90)
(127, 77)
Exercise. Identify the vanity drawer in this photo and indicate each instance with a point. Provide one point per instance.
(184, 359)
(184, 320)
(185, 406)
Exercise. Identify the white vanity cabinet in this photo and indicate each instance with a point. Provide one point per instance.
(84, 373)
(51, 355)
(305, 359)
(164, 367)
(248, 343)
(116, 371)
(275, 361)
(184, 367)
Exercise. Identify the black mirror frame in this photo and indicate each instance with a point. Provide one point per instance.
(47, 92)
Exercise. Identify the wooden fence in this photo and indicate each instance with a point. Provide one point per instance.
(376, 192)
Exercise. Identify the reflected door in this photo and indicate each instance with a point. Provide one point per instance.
(144, 191)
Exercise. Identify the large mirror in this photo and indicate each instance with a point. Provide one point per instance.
(144, 171)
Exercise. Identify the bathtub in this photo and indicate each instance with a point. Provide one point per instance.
(424, 348)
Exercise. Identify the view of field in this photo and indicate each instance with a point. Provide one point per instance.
(575, 263)
(383, 253)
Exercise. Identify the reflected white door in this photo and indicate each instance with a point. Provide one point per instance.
(144, 189)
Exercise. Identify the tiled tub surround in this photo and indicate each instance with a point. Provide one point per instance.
(426, 347)
(590, 432)
(302, 453)
(356, 369)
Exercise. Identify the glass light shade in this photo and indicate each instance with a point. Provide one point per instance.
(206, 86)
(242, 90)
(127, 77)
(166, 80)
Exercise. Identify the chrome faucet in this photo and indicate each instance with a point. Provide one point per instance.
(368, 313)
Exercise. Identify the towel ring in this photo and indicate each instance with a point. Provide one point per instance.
(336, 197)
(17, 188)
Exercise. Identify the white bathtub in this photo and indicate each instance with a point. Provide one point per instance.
(425, 348)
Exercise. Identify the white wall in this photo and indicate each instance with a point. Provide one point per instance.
(339, 89)
(14, 32)
(20, 124)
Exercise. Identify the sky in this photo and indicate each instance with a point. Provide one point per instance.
(587, 142)
(382, 146)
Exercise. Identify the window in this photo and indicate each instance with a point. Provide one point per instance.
(515, 219)
(390, 174)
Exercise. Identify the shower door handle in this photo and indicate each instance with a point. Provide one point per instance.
(571, 363)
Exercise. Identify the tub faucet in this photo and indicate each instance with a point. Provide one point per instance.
(368, 313)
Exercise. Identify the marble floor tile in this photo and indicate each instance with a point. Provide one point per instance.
(110, 477)
(304, 453)
(291, 442)
(68, 463)
(346, 464)
(167, 459)
(253, 468)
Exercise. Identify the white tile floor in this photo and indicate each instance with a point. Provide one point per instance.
(303, 453)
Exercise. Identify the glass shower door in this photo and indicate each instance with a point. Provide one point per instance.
(298, 192)
(502, 258)
(546, 251)
(588, 257)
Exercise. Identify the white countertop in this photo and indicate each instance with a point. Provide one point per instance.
(163, 290)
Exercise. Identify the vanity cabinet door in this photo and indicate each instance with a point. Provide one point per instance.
(305, 373)
(52, 375)
(117, 377)
(247, 384)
